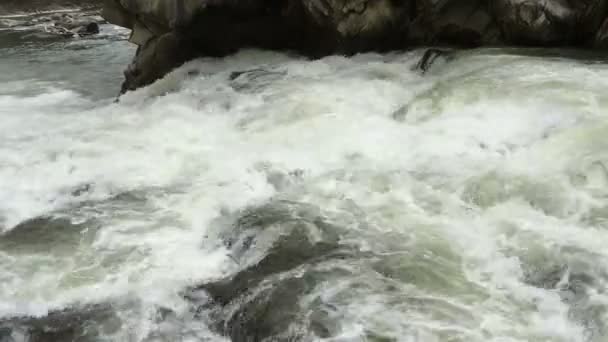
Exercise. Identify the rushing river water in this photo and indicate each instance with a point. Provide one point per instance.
(263, 196)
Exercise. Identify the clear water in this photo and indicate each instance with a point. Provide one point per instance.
(477, 193)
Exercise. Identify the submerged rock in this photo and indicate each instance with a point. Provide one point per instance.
(43, 234)
(250, 80)
(429, 58)
(278, 248)
(81, 324)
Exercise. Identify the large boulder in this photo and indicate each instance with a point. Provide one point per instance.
(154, 59)
(461, 22)
(317, 28)
(311, 27)
(549, 22)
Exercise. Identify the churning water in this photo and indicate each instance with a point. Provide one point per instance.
(267, 197)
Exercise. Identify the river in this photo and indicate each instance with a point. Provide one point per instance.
(468, 203)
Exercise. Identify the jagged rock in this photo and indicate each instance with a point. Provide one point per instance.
(317, 28)
(252, 80)
(154, 59)
(430, 56)
(89, 29)
(549, 22)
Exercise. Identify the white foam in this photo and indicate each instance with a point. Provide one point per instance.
(193, 145)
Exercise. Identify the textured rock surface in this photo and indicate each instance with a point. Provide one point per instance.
(194, 28)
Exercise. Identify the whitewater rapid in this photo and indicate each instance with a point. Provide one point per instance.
(478, 191)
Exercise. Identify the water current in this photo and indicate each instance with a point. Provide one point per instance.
(264, 196)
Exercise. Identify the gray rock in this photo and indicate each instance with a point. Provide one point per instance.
(549, 22)
(88, 29)
(317, 28)
(158, 56)
(430, 56)
(601, 39)
(277, 247)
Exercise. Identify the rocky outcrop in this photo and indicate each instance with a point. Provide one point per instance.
(170, 32)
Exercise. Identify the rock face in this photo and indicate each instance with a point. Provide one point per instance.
(170, 32)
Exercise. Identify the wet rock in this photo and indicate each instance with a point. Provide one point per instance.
(153, 60)
(274, 312)
(401, 113)
(272, 239)
(59, 32)
(310, 27)
(277, 248)
(458, 22)
(82, 190)
(77, 25)
(317, 28)
(89, 29)
(430, 56)
(251, 80)
(73, 324)
(549, 22)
